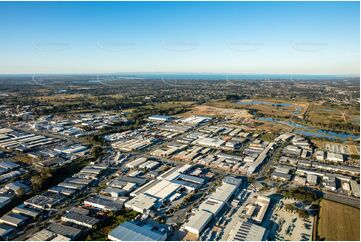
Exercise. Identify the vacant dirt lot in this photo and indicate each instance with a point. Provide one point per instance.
(231, 113)
(338, 222)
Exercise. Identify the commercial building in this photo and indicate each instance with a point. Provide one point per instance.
(71, 185)
(63, 190)
(4, 200)
(197, 223)
(132, 231)
(353, 170)
(335, 157)
(196, 120)
(142, 203)
(134, 144)
(284, 137)
(212, 206)
(149, 165)
(66, 231)
(74, 149)
(355, 187)
(43, 235)
(13, 219)
(210, 142)
(292, 150)
(104, 203)
(137, 162)
(312, 179)
(79, 210)
(257, 210)
(246, 231)
(23, 210)
(320, 155)
(281, 176)
(9, 165)
(80, 219)
(254, 167)
(5, 231)
(300, 180)
(163, 190)
(160, 118)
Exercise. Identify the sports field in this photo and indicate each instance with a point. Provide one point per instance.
(338, 222)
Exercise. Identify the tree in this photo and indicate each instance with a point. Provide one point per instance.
(37, 182)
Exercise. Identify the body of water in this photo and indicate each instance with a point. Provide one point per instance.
(312, 132)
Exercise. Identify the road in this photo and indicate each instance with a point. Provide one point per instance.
(351, 201)
(269, 163)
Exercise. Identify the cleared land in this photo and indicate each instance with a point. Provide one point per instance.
(334, 116)
(231, 113)
(338, 222)
(276, 107)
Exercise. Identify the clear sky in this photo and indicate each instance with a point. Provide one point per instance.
(217, 37)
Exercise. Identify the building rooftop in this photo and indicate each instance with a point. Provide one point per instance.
(198, 221)
(26, 211)
(81, 218)
(163, 189)
(212, 206)
(246, 231)
(5, 230)
(141, 203)
(79, 210)
(42, 235)
(64, 230)
(130, 231)
(13, 219)
(103, 202)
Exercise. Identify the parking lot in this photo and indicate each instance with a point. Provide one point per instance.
(289, 225)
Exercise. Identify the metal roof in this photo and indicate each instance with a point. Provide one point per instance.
(64, 230)
(81, 218)
(5, 229)
(212, 206)
(248, 232)
(198, 221)
(193, 179)
(43, 235)
(13, 218)
(132, 232)
(26, 211)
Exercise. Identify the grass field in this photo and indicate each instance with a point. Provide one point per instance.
(338, 222)
(334, 116)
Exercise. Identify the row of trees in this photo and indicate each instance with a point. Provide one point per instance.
(299, 193)
(302, 213)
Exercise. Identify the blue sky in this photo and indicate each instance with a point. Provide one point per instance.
(217, 37)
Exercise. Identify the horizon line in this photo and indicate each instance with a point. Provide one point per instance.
(180, 73)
